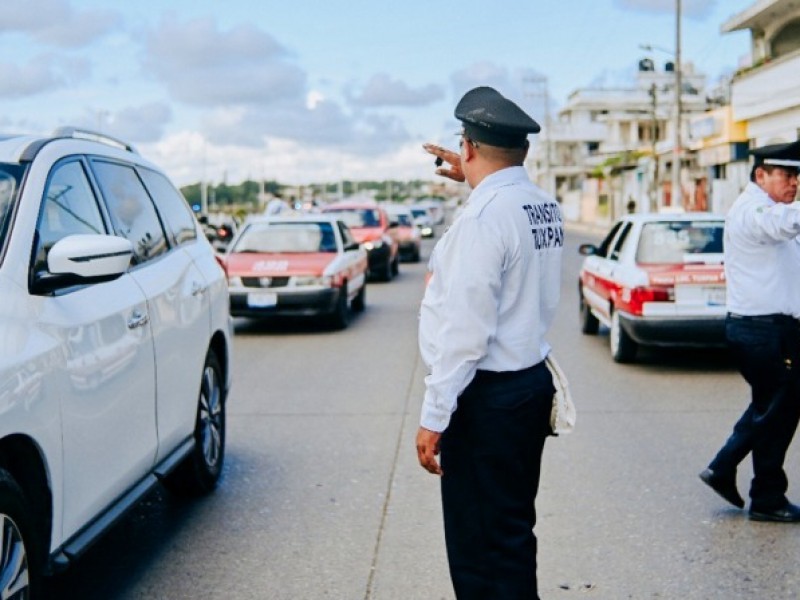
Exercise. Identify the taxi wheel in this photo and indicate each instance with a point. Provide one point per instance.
(360, 301)
(623, 348)
(200, 471)
(589, 323)
(20, 573)
(341, 315)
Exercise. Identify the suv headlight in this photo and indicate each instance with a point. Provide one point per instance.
(235, 282)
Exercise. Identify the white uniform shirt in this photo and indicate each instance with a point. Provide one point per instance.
(762, 255)
(494, 290)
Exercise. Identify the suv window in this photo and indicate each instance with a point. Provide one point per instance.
(132, 212)
(69, 208)
(10, 176)
(177, 215)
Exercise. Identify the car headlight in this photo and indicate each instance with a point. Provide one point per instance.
(373, 245)
(309, 280)
(235, 282)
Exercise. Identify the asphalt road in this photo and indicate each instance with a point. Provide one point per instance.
(322, 496)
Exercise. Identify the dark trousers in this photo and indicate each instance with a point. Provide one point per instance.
(491, 457)
(767, 351)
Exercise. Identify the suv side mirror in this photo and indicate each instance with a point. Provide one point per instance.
(83, 259)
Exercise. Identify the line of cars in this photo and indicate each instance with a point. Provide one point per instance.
(304, 264)
(655, 280)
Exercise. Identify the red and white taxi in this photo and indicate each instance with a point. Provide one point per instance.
(296, 265)
(370, 226)
(656, 279)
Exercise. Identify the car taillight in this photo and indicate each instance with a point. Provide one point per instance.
(638, 296)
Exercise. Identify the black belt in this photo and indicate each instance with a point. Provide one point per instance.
(487, 376)
(774, 319)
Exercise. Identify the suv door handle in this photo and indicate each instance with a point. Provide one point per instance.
(197, 289)
(138, 319)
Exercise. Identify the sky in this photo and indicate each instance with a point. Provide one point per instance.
(303, 91)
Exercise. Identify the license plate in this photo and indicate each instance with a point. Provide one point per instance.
(262, 299)
(707, 295)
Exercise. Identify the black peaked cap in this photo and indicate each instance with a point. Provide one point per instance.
(491, 118)
(781, 155)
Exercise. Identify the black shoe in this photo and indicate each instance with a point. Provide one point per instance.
(789, 513)
(724, 486)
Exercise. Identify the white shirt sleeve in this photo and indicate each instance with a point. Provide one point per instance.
(770, 223)
(467, 276)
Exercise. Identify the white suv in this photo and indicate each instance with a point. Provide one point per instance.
(115, 347)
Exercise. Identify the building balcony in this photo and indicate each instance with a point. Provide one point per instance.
(767, 88)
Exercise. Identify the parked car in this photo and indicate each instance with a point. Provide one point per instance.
(297, 265)
(423, 220)
(656, 279)
(403, 229)
(370, 225)
(115, 345)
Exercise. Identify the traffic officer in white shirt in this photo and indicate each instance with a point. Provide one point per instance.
(762, 268)
(490, 301)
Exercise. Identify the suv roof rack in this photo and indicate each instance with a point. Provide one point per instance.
(95, 136)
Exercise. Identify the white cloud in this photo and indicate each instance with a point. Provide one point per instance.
(313, 98)
(141, 124)
(187, 156)
(54, 22)
(38, 75)
(382, 90)
(203, 66)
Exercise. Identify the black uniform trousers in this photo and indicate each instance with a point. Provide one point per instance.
(767, 351)
(491, 457)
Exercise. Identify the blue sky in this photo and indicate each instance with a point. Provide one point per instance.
(317, 90)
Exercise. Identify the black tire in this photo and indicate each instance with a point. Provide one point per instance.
(623, 348)
(589, 323)
(340, 318)
(387, 271)
(395, 265)
(20, 556)
(199, 472)
(360, 301)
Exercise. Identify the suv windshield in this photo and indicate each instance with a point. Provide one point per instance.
(10, 178)
(679, 241)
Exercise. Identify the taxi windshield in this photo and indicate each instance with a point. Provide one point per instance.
(672, 242)
(10, 177)
(362, 217)
(403, 219)
(286, 238)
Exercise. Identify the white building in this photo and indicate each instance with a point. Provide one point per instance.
(597, 157)
(766, 92)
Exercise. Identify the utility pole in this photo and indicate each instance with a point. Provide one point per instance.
(676, 150)
(653, 143)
